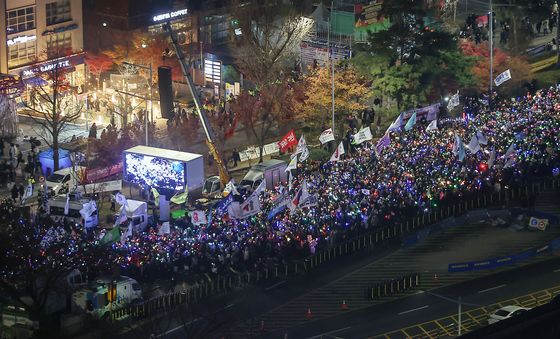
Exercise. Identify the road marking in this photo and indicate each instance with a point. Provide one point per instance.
(273, 286)
(492, 288)
(414, 309)
(556, 271)
(331, 332)
(177, 328)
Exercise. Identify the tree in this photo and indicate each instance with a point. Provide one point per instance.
(519, 66)
(268, 41)
(98, 63)
(265, 110)
(351, 94)
(53, 106)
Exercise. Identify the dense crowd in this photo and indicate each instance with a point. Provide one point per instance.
(418, 170)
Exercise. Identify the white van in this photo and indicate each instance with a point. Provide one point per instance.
(75, 204)
(273, 171)
(63, 180)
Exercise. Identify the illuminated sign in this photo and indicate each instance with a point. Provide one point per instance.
(213, 71)
(21, 39)
(170, 15)
(46, 67)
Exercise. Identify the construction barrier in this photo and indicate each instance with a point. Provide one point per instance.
(394, 286)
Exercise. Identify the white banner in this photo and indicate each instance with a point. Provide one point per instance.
(250, 207)
(363, 135)
(503, 77)
(326, 136)
(198, 218)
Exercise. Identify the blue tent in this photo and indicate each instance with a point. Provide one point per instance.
(47, 160)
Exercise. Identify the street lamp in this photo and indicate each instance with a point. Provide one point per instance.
(459, 303)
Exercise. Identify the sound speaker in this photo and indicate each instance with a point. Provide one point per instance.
(165, 92)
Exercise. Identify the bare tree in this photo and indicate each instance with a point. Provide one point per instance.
(53, 105)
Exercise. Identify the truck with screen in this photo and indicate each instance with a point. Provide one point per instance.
(164, 169)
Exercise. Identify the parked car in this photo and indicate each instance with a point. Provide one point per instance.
(506, 312)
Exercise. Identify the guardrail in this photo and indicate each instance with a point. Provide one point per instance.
(368, 241)
(545, 63)
(394, 286)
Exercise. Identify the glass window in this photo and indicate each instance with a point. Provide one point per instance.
(21, 54)
(59, 44)
(21, 19)
(58, 11)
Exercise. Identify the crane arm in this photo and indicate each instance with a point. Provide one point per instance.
(222, 170)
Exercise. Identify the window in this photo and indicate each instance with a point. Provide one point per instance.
(21, 54)
(21, 19)
(59, 44)
(58, 11)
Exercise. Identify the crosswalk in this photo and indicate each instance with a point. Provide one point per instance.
(430, 258)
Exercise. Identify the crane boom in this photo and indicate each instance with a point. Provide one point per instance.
(222, 170)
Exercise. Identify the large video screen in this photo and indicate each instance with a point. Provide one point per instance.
(154, 172)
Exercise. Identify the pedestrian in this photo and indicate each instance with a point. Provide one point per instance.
(15, 192)
(113, 199)
(235, 157)
(21, 190)
(19, 158)
(93, 131)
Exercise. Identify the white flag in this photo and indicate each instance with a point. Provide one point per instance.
(492, 158)
(198, 218)
(432, 126)
(120, 199)
(363, 135)
(326, 136)
(338, 152)
(481, 138)
(396, 124)
(301, 145)
(503, 77)
(67, 205)
(510, 151)
(165, 228)
(304, 154)
(126, 234)
(473, 145)
(230, 188)
(88, 209)
(292, 165)
(453, 102)
(250, 207)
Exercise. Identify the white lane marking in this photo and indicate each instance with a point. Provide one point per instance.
(177, 328)
(277, 284)
(492, 288)
(414, 309)
(556, 271)
(331, 332)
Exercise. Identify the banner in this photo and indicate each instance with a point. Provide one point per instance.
(198, 218)
(429, 113)
(503, 77)
(222, 205)
(88, 209)
(250, 207)
(338, 153)
(288, 141)
(93, 175)
(326, 136)
(537, 223)
(382, 143)
(363, 135)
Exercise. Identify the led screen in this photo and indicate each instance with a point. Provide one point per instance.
(154, 172)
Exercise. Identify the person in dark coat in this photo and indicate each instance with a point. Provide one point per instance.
(15, 192)
(93, 131)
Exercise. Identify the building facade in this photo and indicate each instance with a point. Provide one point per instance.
(37, 35)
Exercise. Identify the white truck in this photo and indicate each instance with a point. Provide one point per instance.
(105, 294)
(136, 215)
(64, 180)
(80, 210)
(272, 171)
(168, 170)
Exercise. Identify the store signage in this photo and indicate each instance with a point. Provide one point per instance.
(21, 39)
(170, 15)
(213, 71)
(61, 63)
(60, 29)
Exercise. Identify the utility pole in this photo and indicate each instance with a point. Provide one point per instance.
(557, 36)
(459, 318)
(490, 39)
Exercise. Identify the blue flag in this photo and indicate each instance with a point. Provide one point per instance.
(222, 205)
(275, 211)
(411, 122)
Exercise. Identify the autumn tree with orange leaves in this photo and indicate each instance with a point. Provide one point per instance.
(351, 95)
(519, 66)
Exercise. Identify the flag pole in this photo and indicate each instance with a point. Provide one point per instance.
(490, 40)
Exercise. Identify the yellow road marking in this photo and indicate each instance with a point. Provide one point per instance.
(442, 327)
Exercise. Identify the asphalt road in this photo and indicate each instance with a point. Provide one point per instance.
(424, 307)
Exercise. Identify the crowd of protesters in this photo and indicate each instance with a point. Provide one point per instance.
(419, 169)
